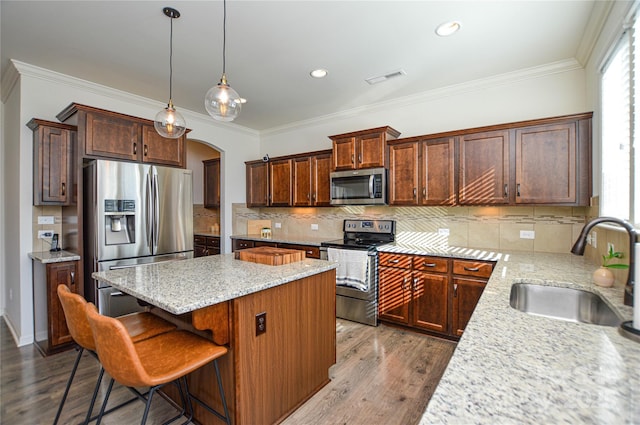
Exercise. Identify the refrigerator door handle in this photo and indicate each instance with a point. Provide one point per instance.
(156, 213)
(148, 206)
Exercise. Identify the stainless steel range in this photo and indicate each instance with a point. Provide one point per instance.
(357, 272)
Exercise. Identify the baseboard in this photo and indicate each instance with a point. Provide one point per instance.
(20, 342)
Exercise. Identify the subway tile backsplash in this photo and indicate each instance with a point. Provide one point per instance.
(491, 228)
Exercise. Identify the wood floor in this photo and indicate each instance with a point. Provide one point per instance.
(383, 375)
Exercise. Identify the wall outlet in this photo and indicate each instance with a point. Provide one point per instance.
(527, 234)
(45, 234)
(314, 227)
(443, 232)
(10, 294)
(278, 225)
(261, 323)
(45, 219)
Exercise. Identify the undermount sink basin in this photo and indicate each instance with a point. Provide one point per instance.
(574, 305)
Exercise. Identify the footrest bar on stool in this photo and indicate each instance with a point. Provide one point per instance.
(209, 408)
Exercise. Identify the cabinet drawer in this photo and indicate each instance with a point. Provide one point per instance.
(310, 251)
(242, 244)
(213, 242)
(387, 259)
(431, 264)
(472, 268)
(200, 240)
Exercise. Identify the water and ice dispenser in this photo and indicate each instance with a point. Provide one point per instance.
(119, 221)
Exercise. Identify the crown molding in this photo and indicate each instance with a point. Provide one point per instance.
(439, 93)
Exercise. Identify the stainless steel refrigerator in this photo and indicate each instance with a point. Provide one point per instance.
(134, 215)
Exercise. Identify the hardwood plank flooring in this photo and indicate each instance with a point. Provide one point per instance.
(383, 375)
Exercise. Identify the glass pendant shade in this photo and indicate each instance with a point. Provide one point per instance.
(170, 123)
(222, 102)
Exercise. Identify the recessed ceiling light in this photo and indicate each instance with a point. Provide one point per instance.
(448, 28)
(319, 73)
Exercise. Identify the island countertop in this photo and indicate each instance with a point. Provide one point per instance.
(512, 367)
(187, 285)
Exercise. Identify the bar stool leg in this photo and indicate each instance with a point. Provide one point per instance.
(94, 396)
(224, 400)
(104, 403)
(69, 381)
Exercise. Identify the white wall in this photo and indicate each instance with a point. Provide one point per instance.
(43, 94)
(196, 153)
(555, 89)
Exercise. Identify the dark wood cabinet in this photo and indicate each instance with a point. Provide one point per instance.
(310, 251)
(433, 294)
(422, 172)
(206, 245)
(280, 183)
(362, 149)
(484, 168)
(107, 134)
(211, 183)
(257, 184)
(51, 334)
(54, 174)
(311, 180)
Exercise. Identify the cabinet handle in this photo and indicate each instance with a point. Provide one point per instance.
(135, 148)
(353, 158)
(145, 150)
(415, 284)
(64, 189)
(359, 158)
(472, 269)
(404, 283)
(455, 289)
(518, 189)
(424, 192)
(428, 264)
(308, 197)
(313, 196)
(415, 192)
(393, 261)
(506, 190)
(73, 278)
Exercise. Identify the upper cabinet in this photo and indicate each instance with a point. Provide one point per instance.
(294, 180)
(106, 134)
(362, 149)
(422, 171)
(54, 181)
(211, 183)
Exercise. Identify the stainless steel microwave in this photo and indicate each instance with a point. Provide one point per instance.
(359, 187)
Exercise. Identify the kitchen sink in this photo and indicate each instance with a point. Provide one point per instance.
(573, 305)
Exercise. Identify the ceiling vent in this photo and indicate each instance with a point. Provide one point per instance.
(390, 75)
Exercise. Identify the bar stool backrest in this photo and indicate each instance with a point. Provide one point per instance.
(116, 350)
(74, 307)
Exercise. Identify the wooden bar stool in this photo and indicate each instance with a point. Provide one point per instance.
(139, 326)
(153, 362)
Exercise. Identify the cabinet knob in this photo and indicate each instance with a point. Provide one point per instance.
(455, 289)
(146, 150)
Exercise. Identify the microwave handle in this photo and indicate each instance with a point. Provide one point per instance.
(371, 179)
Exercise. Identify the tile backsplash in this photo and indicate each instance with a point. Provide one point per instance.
(491, 228)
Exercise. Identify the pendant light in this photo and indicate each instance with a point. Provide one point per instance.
(222, 102)
(169, 122)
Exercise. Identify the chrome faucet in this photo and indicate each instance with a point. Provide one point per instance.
(578, 249)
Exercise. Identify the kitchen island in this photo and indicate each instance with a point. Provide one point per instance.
(512, 367)
(266, 375)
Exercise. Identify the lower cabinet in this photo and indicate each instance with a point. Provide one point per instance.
(433, 294)
(51, 334)
(206, 245)
(310, 250)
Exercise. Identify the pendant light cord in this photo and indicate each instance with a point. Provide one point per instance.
(171, 62)
(224, 37)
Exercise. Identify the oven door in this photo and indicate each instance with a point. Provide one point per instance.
(113, 302)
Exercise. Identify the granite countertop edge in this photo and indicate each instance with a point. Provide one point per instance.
(46, 257)
(512, 367)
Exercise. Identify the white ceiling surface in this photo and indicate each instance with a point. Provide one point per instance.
(273, 45)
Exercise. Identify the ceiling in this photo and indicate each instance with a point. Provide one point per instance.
(273, 45)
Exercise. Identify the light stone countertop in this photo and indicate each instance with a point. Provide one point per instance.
(299, 240)
(187, 285)
(510, 367)
(46, 257)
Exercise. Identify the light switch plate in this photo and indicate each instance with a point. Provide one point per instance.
(278, 225)
(443, 232)
(45, 219)
(527, 234)
(314, 227)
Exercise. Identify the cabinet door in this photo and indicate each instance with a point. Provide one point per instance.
(321, 171)
(239, 244)
(429, 301)
(280, 178)
(466, 293)
(257, 184)
(54, 167)
(161, 150)
(59, 274)
(437, 185)
(211, 183)
(114, 137)
(344, 154)
(484, 168)
(403, 174)
(302, 182)
(394, 294)
(546, 164)
(371, 151)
